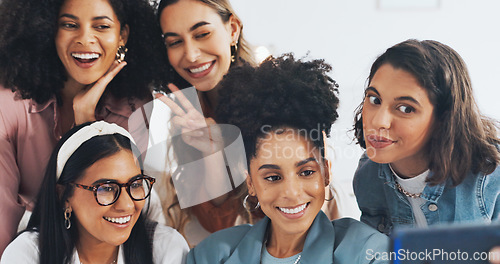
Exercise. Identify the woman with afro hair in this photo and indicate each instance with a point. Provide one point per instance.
(285, 109)
(63, 63)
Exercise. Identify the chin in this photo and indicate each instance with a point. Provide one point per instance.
(376, 156)
(204, 87)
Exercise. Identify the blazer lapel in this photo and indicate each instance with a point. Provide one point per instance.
(318, 246)
(249, 249)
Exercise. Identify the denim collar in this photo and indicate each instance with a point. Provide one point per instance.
(430, 193)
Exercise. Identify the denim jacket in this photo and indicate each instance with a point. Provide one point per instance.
(476, 199)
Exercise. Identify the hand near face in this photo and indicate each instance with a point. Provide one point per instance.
(85, 102)
(197, 131)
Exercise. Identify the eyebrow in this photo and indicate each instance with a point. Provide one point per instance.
(113, 180)
(372, 89)
(269, 166)
(194, 27)
(103, 181)
(401, 98)
(276, 167)
(300, 163)
(76, 18)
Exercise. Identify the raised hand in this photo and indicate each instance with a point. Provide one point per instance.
(197, 131)
(85, 102)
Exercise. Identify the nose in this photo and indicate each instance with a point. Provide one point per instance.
(381, 118)
(292, 187)
(124, 201)
(85, 36)
(191, 52)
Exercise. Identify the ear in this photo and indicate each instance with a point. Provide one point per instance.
(327, 168)
(60, 190)
(326, 163)
(251, 189)
(124, 33)
(67, 205)
(235, 29)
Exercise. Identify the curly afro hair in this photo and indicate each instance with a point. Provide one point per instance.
(281, 93)
(30, 65)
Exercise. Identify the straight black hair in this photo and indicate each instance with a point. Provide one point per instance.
(56, 243)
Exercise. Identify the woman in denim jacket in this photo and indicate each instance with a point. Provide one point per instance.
(431, 157)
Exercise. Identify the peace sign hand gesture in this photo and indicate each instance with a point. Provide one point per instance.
(197, 131)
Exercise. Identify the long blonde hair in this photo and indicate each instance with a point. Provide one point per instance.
(175, 216)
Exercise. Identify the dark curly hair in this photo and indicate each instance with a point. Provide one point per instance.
(465, 140)
(281, 93)
(30, 65)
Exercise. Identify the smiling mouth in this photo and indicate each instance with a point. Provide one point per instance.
(118, 220)
(294, 210)
(85, 57)
(200, 69)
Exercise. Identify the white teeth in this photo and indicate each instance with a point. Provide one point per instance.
(85, 56)
(200, 69)
(118, 220)
(295, 210)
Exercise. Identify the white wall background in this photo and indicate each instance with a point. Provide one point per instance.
(350, 34)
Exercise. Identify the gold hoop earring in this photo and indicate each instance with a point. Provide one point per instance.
(234, 49)
(67, 218)
(120, 53)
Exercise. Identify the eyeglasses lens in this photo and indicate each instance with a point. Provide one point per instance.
(140, 188)
(107, 193)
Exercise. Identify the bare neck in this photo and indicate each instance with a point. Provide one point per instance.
(97, 253)
(283, 245)
(411, 167)
(66, 117)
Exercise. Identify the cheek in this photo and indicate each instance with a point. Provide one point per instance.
(174, 56)
(138, 206)
(220, 46)
(365, 114)
(60, 41)
(111, 44)
(316, 189)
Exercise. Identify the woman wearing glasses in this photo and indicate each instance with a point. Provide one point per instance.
(63, 63)
(89, 208)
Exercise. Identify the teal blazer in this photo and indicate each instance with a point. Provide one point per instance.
(340, 241)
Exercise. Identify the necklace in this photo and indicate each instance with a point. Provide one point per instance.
(405, 192)
(400, 188)
(298, 259)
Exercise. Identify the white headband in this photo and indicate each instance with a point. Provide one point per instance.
(77, 139)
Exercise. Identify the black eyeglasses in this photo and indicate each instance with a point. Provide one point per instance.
(107, 193)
